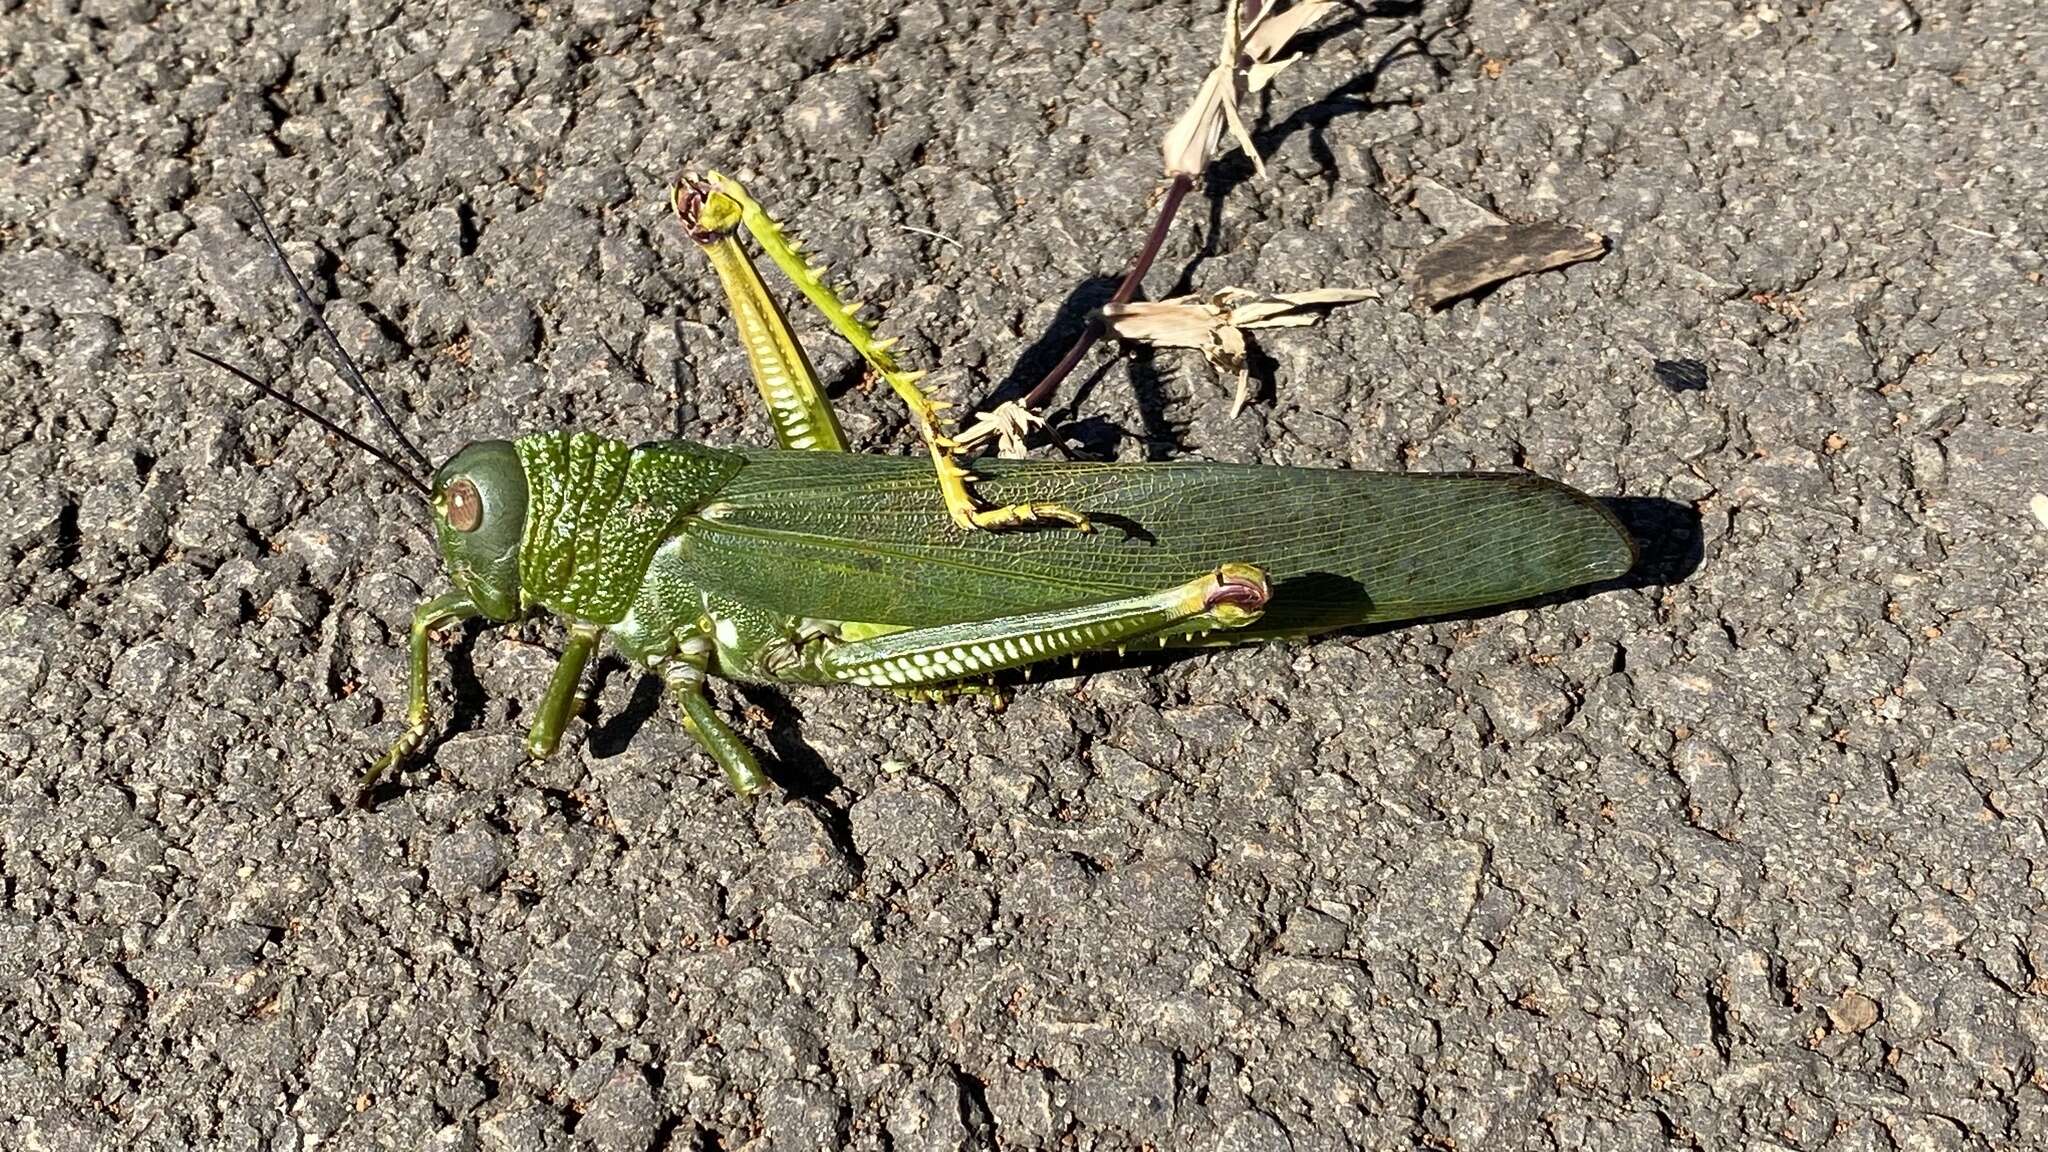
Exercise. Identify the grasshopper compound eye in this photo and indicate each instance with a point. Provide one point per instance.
(465, 506)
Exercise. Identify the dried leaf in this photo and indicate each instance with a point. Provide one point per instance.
(1243, 136)
(1010, 424)
(1269, 34)
(1216, 324)
(1261, 74)
(1485, 256)
(1292, 309)
(1180, 322)
(1183, 322)
(1197, 135)
(1193, 138)
(1229, 356)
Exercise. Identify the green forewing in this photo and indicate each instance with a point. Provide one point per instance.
(852, 537)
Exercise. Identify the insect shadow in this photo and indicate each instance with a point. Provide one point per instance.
(611, 735)
(797, 769)
(1041, 354)
(1669, 543)
(1096, 437)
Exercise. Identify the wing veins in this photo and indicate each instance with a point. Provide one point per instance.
(840, 542)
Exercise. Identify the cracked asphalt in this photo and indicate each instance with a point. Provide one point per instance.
(1741, 854)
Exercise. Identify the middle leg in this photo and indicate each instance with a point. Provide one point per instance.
(685, 674)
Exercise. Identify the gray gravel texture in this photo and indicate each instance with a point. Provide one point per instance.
(1740, 855)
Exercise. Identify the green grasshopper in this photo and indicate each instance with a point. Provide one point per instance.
(808, 564)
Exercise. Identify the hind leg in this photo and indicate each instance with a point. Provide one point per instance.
(712, 209)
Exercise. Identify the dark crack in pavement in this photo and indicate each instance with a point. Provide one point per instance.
(1744, 854)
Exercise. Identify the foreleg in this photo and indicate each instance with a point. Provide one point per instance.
(563, 692)
(426, 620)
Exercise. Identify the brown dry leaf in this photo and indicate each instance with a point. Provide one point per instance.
(1216, 324)
(1483, 256)
(1194, 137)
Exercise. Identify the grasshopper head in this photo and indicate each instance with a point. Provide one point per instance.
(480, 514)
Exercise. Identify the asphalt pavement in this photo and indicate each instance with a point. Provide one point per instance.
(1741, 853)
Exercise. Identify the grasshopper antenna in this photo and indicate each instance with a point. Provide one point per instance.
(350, 372)
(286, 400)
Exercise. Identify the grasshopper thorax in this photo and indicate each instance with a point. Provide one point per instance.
(479, 500)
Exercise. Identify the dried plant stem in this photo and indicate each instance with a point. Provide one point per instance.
(1248, 13)
(1133, 277)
